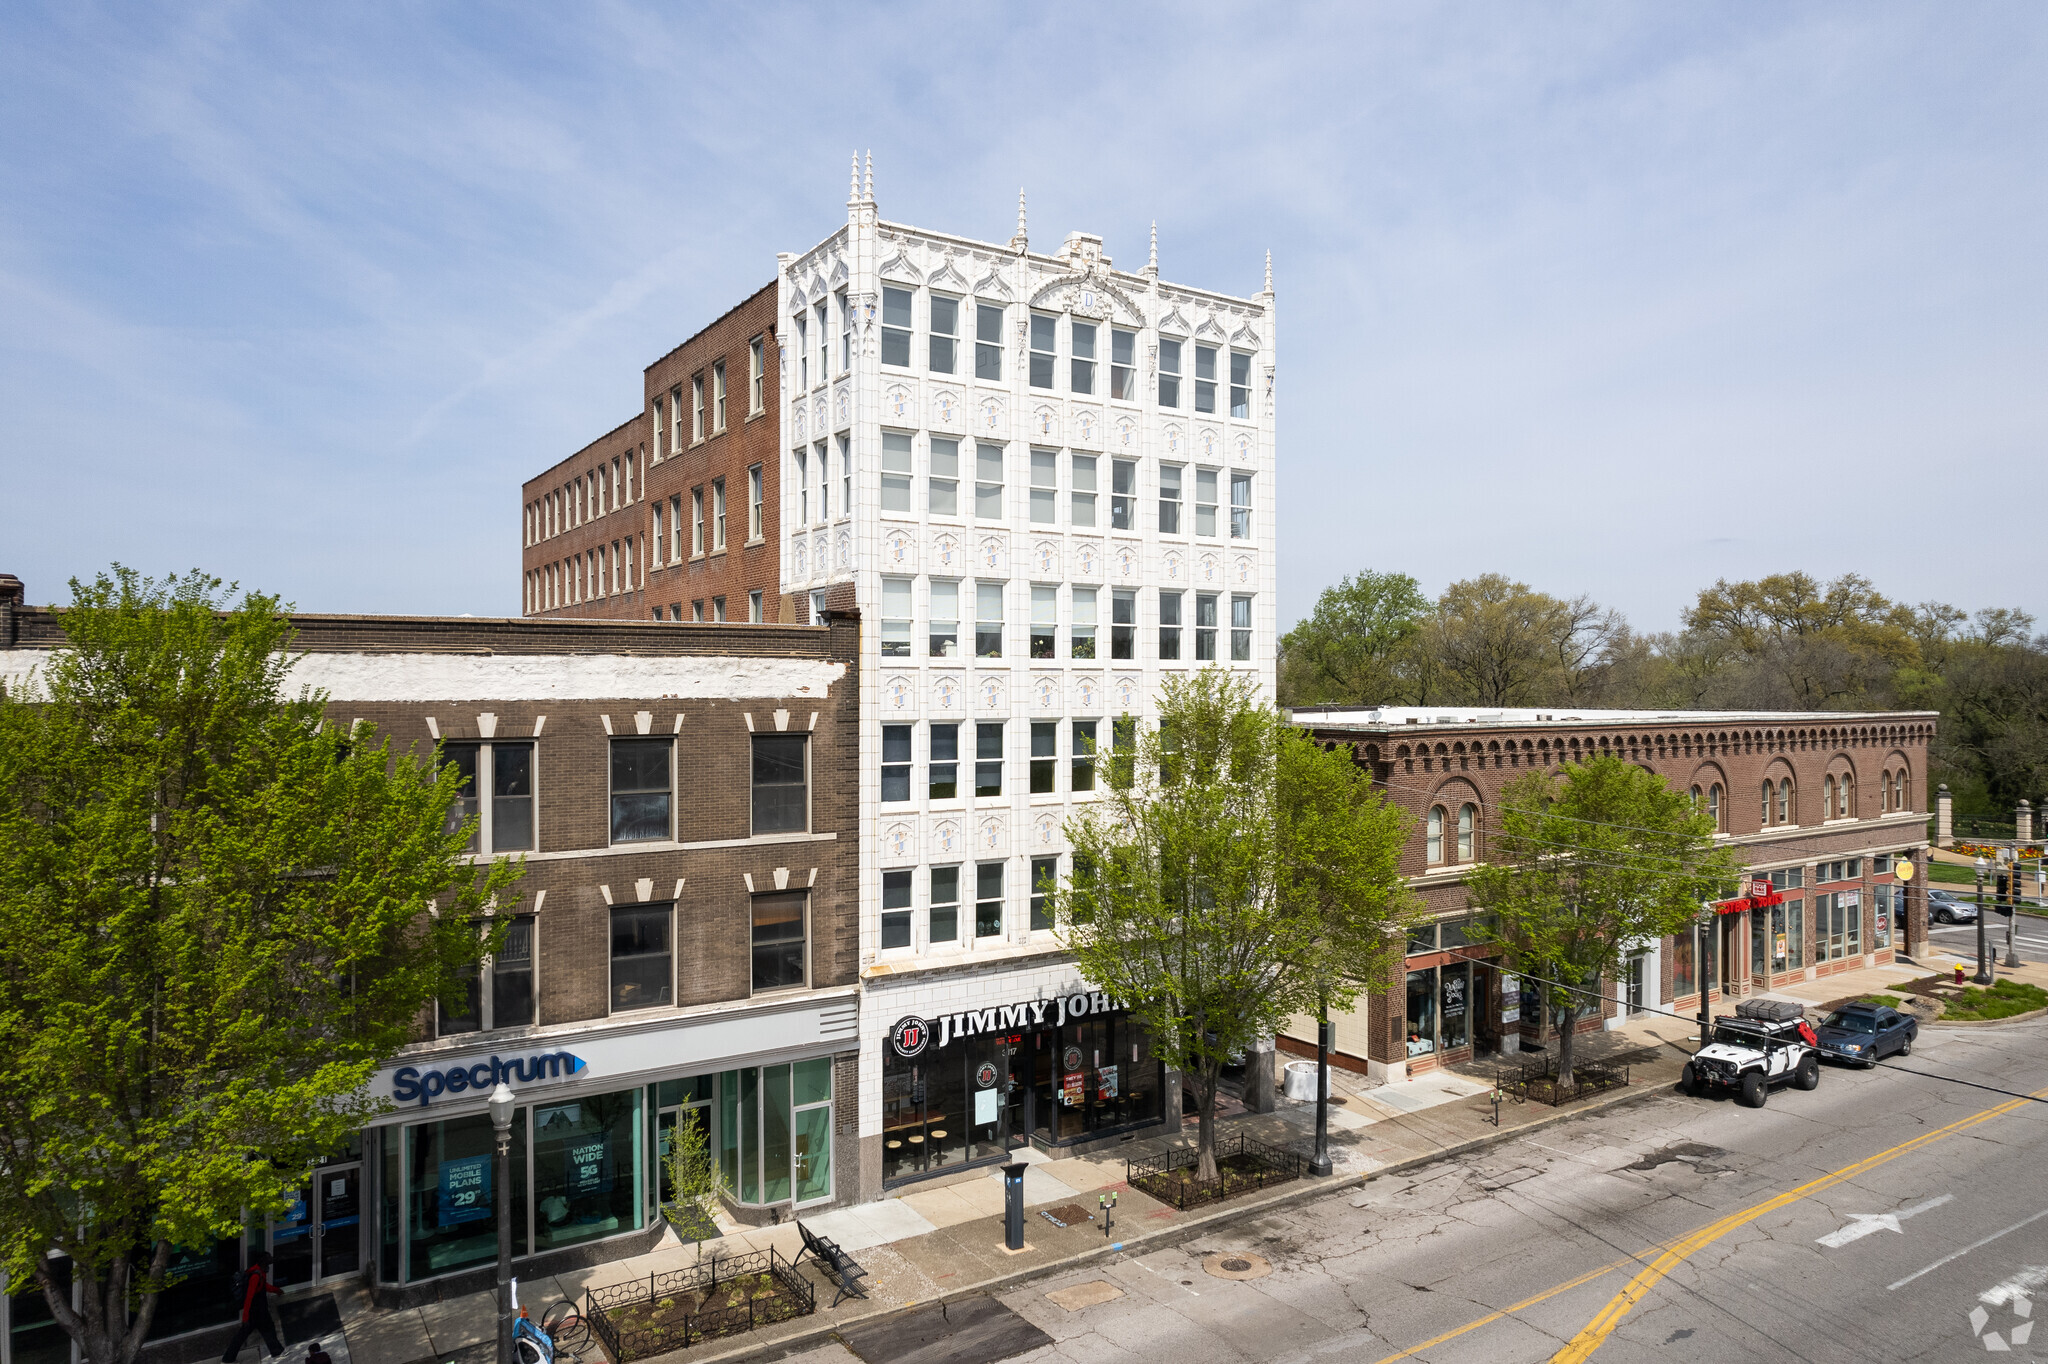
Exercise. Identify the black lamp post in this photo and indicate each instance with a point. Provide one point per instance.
(1985, 974)
(1320, 1163)
(502, 1102)
(1702, 937)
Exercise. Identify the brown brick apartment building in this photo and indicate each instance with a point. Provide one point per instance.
(1822, 807)
(684, 946)
(671, 516)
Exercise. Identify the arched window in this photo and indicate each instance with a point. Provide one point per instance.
(1899, 793)
(1827, 798)
(1699, 799)
(1846, 790)
(1785, 801)
(1768, 788)
(1714, 805)
(1468, 817)
(1884, 792)
(1435, 844)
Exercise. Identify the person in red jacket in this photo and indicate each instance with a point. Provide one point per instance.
(255, 1312)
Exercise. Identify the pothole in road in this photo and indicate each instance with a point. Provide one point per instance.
(1702, 1158)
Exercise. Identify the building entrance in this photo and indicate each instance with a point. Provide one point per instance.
(320, 1236)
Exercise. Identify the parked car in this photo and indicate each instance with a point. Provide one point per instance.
(1944, 908)
(1864, 1034)
(1763, 1045)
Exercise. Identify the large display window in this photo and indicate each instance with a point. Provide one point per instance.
(775, 1133)
(450, 1194)
(587, 1169)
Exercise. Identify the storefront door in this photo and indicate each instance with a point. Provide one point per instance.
(321, 1235)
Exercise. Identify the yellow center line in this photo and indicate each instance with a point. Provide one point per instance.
(1512, 1308)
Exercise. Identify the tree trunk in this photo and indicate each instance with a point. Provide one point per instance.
(1205, 1122)
(102, 1331)
(1567, 1041)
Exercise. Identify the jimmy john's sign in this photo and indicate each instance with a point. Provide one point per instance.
(913, 1034)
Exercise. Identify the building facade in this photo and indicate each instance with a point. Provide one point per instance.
(1047, 484)
(1823, 809)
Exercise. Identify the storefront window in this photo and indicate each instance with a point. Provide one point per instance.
(587, 1168)
(775, 1132)
(1422, 1012)
(1779, 946)
(1795, 935)
(1455, 994)
(452, 1208)
(1887, 898)
(199, 1291)
(33, 1335)
(1683, 947)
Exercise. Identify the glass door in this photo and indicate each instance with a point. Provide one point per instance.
(320, 1236)
(291, 1240)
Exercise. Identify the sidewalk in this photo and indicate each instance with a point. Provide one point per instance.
(944, 1237)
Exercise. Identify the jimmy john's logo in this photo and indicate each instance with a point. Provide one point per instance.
(912, 1034)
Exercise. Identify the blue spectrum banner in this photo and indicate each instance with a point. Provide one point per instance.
(465, 1190)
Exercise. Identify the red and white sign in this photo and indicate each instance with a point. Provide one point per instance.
(1760, 888)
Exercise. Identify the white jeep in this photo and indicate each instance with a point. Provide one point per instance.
(1761, 1046)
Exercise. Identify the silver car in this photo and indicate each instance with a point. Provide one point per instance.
(1943, 907)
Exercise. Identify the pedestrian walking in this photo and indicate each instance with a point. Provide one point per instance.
(251, 1284)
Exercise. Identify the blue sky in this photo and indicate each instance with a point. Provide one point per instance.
(1614, 299)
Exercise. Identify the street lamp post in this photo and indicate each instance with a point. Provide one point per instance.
(1320, 1164)
(1984, 959)
(501, 1120)
(1701, 936)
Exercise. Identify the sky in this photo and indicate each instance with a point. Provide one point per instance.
(1614, 299)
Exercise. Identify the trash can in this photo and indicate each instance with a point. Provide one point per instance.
(1299, 1083)
(1013, 1205)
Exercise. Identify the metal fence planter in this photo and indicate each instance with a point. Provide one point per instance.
(1243, 1165)
(1538, 1080)
(721, 1297)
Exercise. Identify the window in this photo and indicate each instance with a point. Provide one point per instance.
(845, 477)
(803, 488)
(1240, 384)
(988, 758)
(1045, 875)
(1123, 751)
(718, 396)
(817, 606)
(896, 327)
(718, 514)
(497, 790)
(1205, 501)
(697, 408)
(1468, 818)
(845, 332)
(988, 900)
(1785, 807)
(945, 625)
(1714, 804)
(1205, 627)
(895, 617)
(696, 522)
(642, 977)
(1081, 643)
(1169, 372)
(779, 941)
(945, 333)
(675, 527)
(697, 611)
(942, 488)
(499, 990)
(1042, 348)
(988, 481)
(1045, 742)
(1123, 494)
(895, 908)
(1827, 798)
(1045, 488)
(824, 484)
(824, 312)
(944, 775)
(1084, 491)
(1768, 789)
(1169, 624)
(1045, 620)
(1123, 364)
(895, 763)
(640, 790)
(718, 610)
(754, 503)
(1169, 499)
(756, 373)
(1084, 755)
(754, 609)
(1240, 629)
(1240, 506)
(1123, 622)
(1433, 837)
(895, 471)
(943, 916)
(781, 794)
(803, 351)
(1081, 338)
(1205, 378)
(988, 620)
(675, 411)
(988, 341)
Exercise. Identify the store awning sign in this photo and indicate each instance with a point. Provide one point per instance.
(912, 1034)
(410, 1084)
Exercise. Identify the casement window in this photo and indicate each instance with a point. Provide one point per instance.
(643, 959)
(1468, 822)
(1123, 364)
(1045, 487)
(988, 342)
(1044, 331)
(988, 481)
(988, 899)
(944, 333)
(757, 370)
(697, 408)
(641, 790)
(824, 482)
(895, 908)
(1081, 365)
(942, 488)
(1082, 500)
(1045, 875)
(1081, 641)
(1240, 384)
(1045, 620)
(1433, 836)
(944, 763)
(1205, 627)
(496, 789)
(1205, 501)
(945, 622)
(754, 499)
(896, 327)
(658, 541)
(781, 786)
(718, 396)
(1205, 378)
(803, 487)
(845, 332)
(1169, 499)
(1083, 776)
(895, 763)
(1169, 372)
(1045, 744)
(1123, 494)
(895, 471)
(988, 620)
(988, 757)
(756, 608)
(824, 313)
(1123, 622)
(1241, 631)
(498, 992)
(895, 617)
(675, 420)
(778, 940)
(943, 915)
(845, 476)
(696, 522)
(718, 610)
(1240, 506)
(1169, 625)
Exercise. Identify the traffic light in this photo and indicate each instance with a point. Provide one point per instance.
(2004, 900)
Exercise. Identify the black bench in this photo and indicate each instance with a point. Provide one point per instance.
(836, 1261)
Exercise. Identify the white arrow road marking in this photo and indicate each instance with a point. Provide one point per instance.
(1868, 1222)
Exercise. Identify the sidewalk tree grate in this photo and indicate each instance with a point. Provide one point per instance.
(1243, 1164)
(721, 1297)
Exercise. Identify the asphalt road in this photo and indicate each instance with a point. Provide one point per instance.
(2030, 937)
(1883, 1216)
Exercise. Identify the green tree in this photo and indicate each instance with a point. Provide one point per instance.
(1235, 874)
(217, 919)
(1501, 643)
(1350, 650)
(1588, 865)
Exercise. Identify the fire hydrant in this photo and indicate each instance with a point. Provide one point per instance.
(1959, 973)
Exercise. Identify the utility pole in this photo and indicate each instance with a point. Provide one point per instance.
(1985, 973)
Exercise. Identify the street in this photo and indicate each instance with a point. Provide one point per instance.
(1884, 1216)
(2030, 937)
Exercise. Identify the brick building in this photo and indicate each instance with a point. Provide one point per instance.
(673, 515)
(1823, 807)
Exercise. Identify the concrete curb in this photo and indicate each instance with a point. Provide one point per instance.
(2027, 1017)
(1307, 1190)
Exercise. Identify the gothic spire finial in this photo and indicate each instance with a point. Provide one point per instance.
(1152, 265)
(869, 192)
(1021, 240)
(853, 185)
(1269, 270)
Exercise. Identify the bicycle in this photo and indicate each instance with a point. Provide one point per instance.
(561, 1333)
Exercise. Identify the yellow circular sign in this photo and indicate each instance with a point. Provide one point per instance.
(1903, 870)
